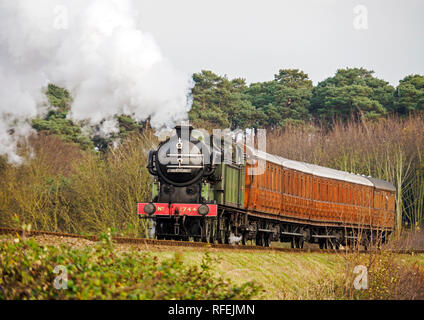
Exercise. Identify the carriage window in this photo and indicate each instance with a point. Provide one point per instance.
(354, 195)
(271, 178)
(386, 201)
(289, 183)
(316, 189)
(336, 192)
(367, 198)
(307, 187)
(301, 186)
(327, 191)
(278, 180)
(300, 180)
(357, 196)
(347, 194)
(296, 183)
(268, 182)
(392, 202)
(281, 180)
(364, 198)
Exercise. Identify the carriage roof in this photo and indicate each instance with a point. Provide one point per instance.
(324, 172)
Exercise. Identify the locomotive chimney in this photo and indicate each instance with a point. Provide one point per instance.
(184, 129)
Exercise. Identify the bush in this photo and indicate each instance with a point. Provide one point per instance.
(390, 277)
(101, 272)
(59, 187)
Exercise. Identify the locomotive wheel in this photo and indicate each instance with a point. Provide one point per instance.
(366, 244)
(267, 242)
(223, 237)
(297, 243)
(223, 233)
(259, 239)
(244, 239)
(300, 242)
(196, 231)
(206, 231)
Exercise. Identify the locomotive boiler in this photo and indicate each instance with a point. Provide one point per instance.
(211, 190)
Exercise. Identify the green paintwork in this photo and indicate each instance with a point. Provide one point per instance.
(205, 191)
(155, 188)
(230, 190)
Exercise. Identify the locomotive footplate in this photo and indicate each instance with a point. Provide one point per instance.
(179, 221)
(177, 209)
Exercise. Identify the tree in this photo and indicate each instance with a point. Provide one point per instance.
(284, 100)
(351, 92)
(293, 78)
(56, 122)
(221, 102)
(409, 95)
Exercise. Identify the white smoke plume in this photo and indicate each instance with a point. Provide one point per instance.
(98, 51)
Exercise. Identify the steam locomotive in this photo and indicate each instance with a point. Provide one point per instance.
(213, 191)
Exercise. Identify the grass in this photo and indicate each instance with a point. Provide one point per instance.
(282, 275)
(308, 276)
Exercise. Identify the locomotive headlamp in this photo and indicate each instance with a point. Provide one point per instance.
(203, 210)
(150, 208)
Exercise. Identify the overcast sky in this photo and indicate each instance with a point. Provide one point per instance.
(254, 39)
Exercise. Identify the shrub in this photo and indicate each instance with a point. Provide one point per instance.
(389, 278)
(101, 272)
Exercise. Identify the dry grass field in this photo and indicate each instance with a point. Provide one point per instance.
(313, 276)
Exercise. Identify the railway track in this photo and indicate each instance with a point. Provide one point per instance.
(173, 243)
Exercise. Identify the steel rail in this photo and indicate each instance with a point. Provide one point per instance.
(202, 245)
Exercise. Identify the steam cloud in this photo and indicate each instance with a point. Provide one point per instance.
(97, 50)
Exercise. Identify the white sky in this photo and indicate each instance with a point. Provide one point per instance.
(254, 39)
